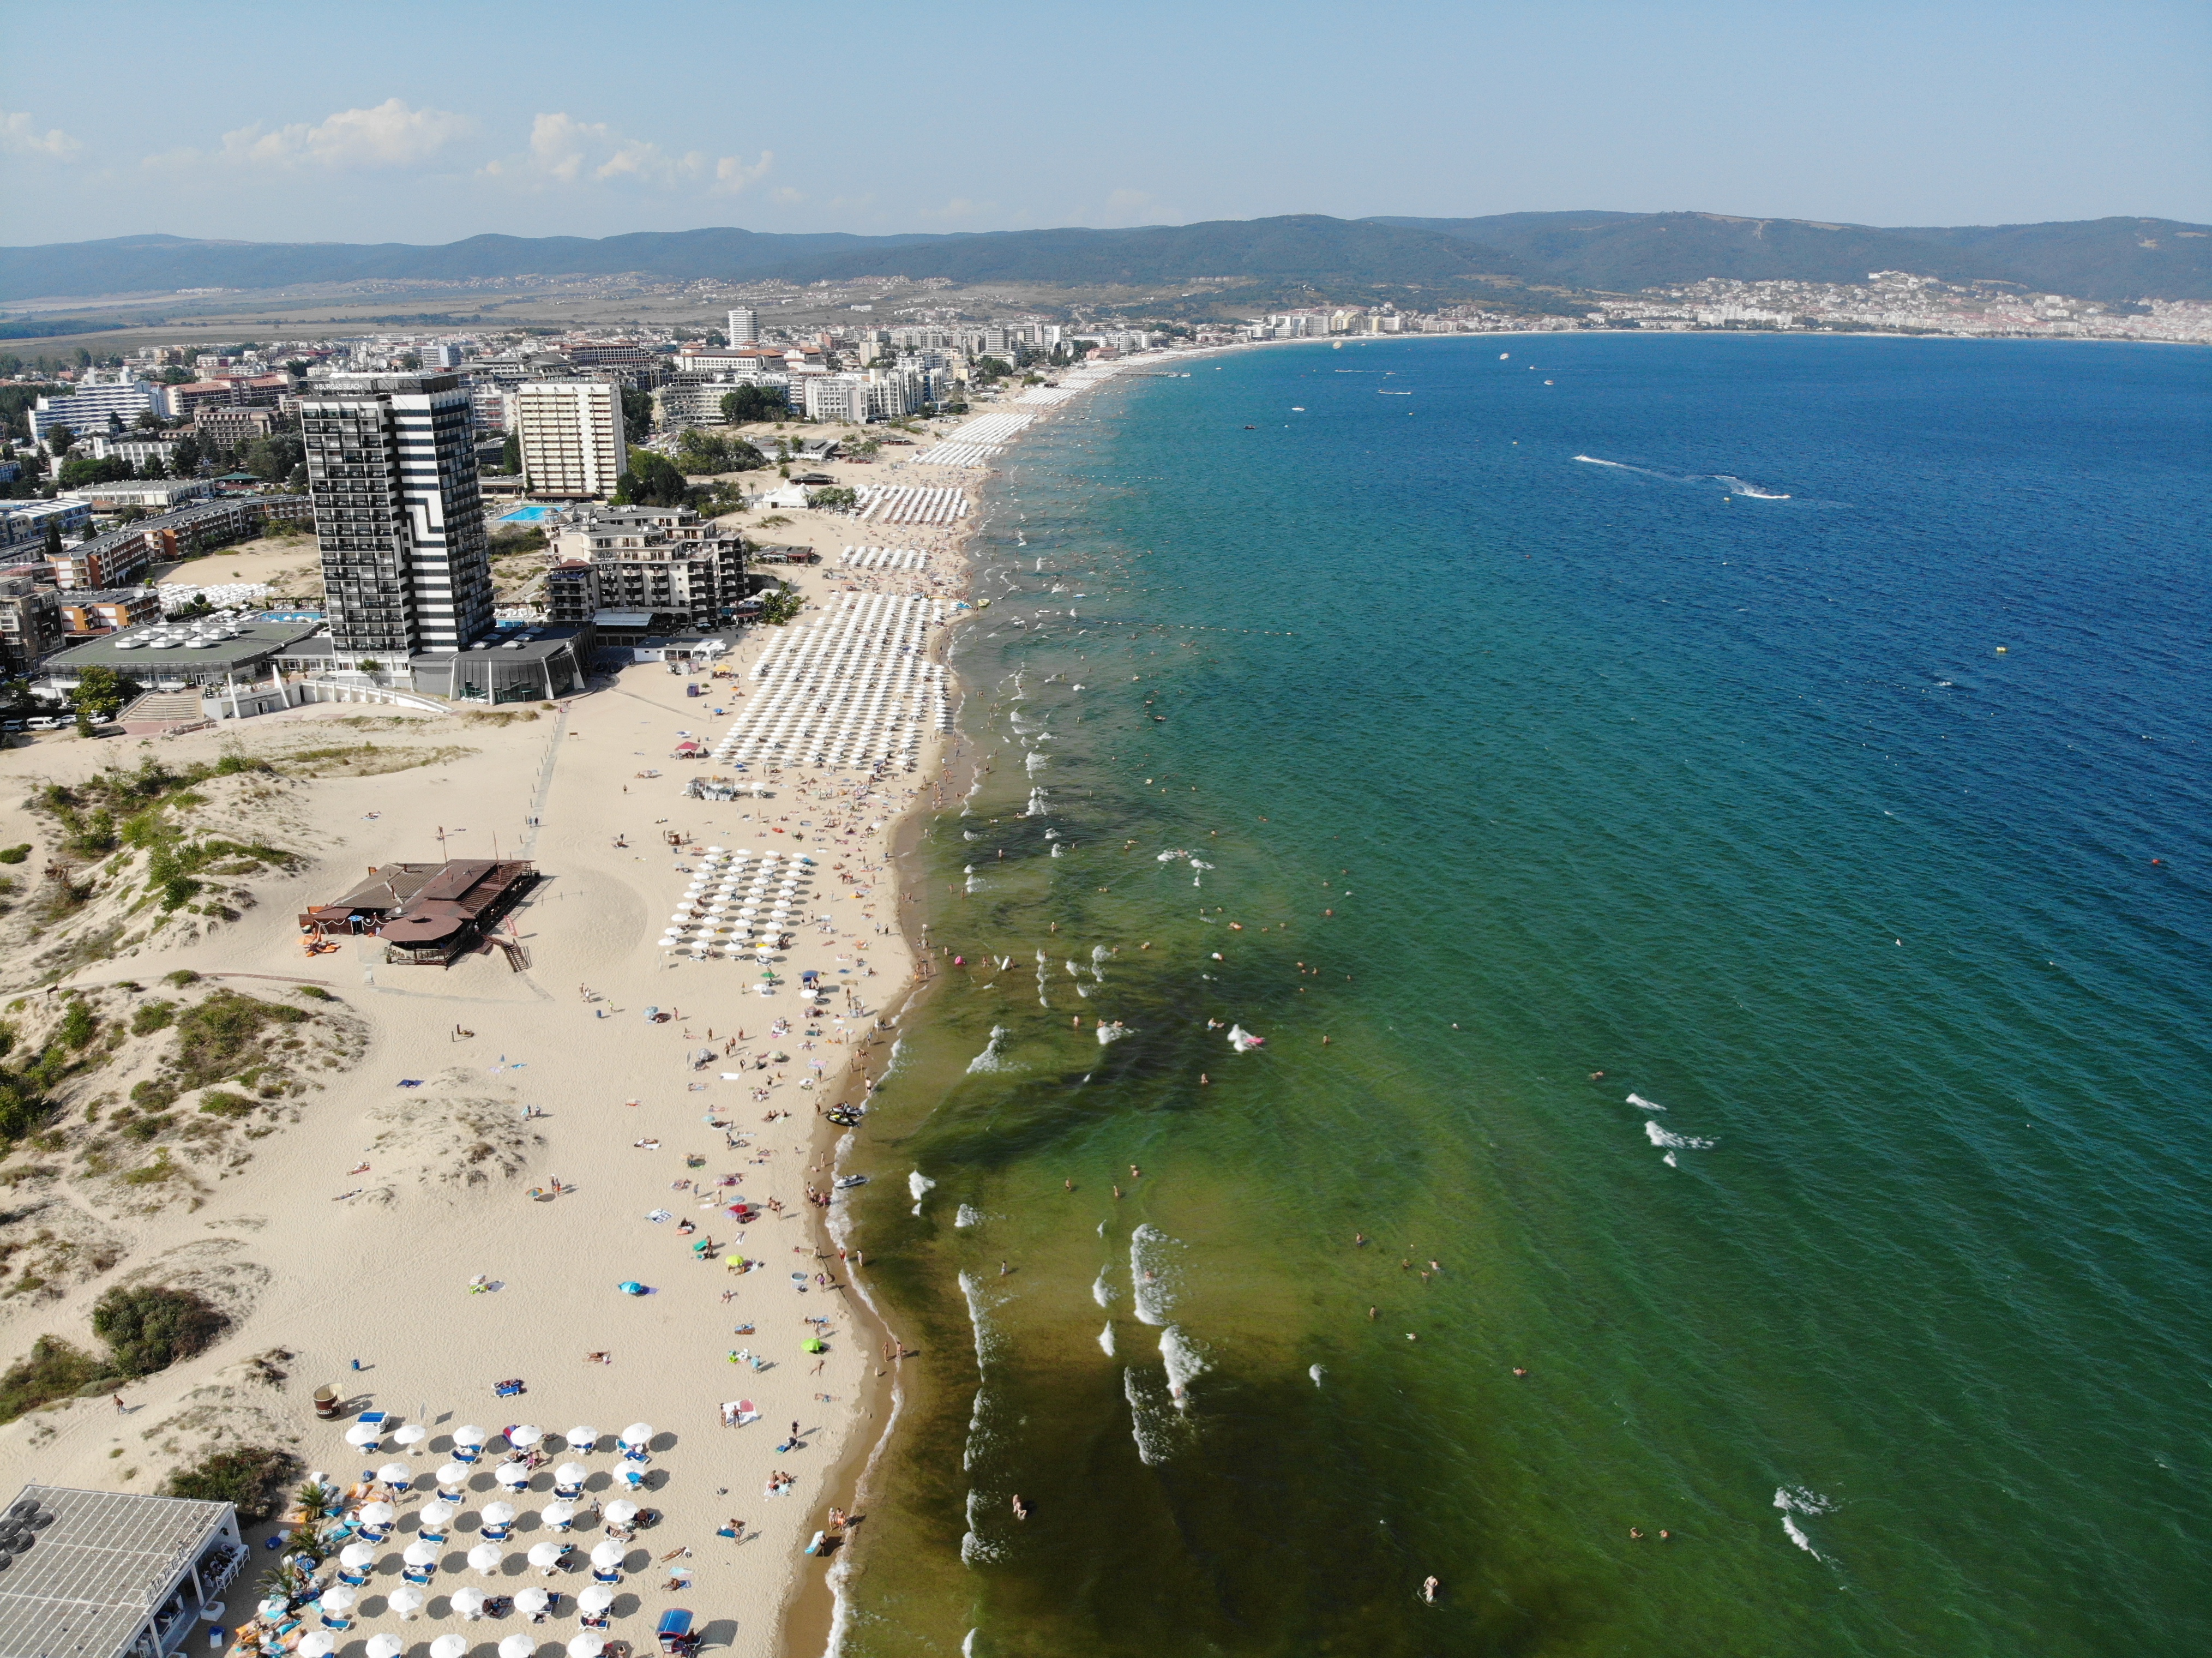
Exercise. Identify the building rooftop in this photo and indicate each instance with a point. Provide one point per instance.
(163, 647)
(84, 1588)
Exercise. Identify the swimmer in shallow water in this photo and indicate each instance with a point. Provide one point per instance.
(1429, 1587)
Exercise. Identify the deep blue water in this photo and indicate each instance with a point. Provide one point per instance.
(1808, 735)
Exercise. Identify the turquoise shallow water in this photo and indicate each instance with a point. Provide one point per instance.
(1637, 713)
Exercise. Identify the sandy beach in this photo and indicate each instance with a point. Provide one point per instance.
(459, 1167)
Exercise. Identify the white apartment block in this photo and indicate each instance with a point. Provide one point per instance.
(744, 325)
(572, 437)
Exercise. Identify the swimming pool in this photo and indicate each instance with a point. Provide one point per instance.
(525, 515)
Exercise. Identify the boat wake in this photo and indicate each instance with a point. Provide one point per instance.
(1731, 484)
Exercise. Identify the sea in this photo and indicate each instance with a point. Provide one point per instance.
(1713, 835)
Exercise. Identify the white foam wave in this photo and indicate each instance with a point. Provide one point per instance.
(1106, 1339)
(1152, 1272)
(1148, 1425)
(1642, 1104)
(975, 1551)
(992, 1058)
(1185, 1364)
(1317, 1374)
(918, 1187)
(1793, 1500)
(968, 1215)
(1102, 1291)
(1035, 762)
(988, 1345)
(1660, 1137)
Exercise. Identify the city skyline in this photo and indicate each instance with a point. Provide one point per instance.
(1965, 113)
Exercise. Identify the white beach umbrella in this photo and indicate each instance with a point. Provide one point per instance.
(559, 1515)
(472, 1434)
(385, 1646)
(586, 1645)
(317, 1643)
(531, 1601)
(452, 1476)
(620, 1512)
(543, 1555)
(436, 1516)
(517, 1646)
(449, 1646)
(276, 1607)
(339, 1599)
(355, 1555)
(596, 1599)
(639, 1434)
(581, 1440)
(607, 1555)
(499, 1514)
(487, 1557)
(571, 1473)
(395, 1474)
(469, 1602)
(419, 1553)
(513, 1475)
(407, 1599)
(525, 1434)
(378, 1514)
(411, 1437)
(362, 1435)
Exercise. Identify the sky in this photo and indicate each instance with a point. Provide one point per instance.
(427, 123)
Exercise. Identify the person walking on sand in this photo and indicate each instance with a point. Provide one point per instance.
(121, 1409)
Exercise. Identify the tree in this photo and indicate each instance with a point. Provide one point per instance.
(833, 499)
(751, 403)
(151, 1327)
(250, 1478)
(100, 695)
(60, 439)
(637, 411)
(53, 539)
(189, 453)
(510, 454)
(779, 605)
(652, 480)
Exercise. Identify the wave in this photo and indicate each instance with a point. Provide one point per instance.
(1728, 481)
(1036, 761)
(1185, 1364)
(968, 1215)
(1102, 1291)
(1152, 1272)
(1106, 1339)
(974, 1550)
(993, 1057)
(1642, 1104)
(1317, 1374)
(919, 1185)
(1793, 1500)
(1151, 1425)
(1660, 1137)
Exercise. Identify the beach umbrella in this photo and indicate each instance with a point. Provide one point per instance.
(436, 1516)
(581, 1440)
(499, 1514)
(586, 1645)
(339, 1599)
(638, 1434)
(385, 1646)
(571, 1473)
(524, 1435)
(470, 1435)
(396, 1474)
(317, 1643)
(621, 1512)
(469, 1602)
(452, 1476)
(517, 1646)
(354, 1557)
(608, 1555)
(411, 1437)
(378, 1515)
(407, 1599)
(449, 1646)
(419, 1553)
(596, 1599)
(559, 1515)
(275, 1606)
(531, 1601)
(544, 1555)
(362, 1435)
(487, 1557)
(513, 1475)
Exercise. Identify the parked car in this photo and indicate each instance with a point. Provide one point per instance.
(48, 722)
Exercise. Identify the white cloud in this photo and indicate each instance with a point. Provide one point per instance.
(20, 136)
(389, 134)
(564, 150)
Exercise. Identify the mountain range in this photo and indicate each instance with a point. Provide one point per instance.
(2113, 259)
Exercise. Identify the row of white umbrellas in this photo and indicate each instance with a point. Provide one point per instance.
(907, 504)
(974, 441)
(437, 1517)
(720, 907)
(363, 1436)
(886, 558)
(854, 687)
(321, 1643)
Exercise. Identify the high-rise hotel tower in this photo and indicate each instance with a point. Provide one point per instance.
(392, 463)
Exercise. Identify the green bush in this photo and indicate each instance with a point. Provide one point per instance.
(181, 977)
(153, 1016)
(15, 854)
(250, 1476)
(217, 1102)
(214, 1035)
(313, 993)
(151, 1327)
(79, 1023)
(54, 1370)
